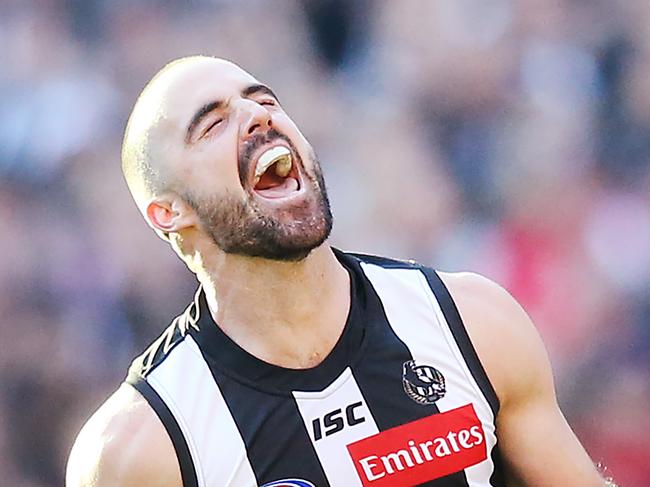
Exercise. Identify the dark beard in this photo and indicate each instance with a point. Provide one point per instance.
(241, 227)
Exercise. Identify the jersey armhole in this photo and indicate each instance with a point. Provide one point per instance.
(188, 473)
(459, 332)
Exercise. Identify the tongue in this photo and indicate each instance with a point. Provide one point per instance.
(288, 185)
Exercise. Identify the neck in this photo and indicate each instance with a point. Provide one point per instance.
(289, 314)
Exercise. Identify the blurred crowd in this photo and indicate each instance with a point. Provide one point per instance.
(507, 137)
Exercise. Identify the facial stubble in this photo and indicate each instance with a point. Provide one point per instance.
(241, 226)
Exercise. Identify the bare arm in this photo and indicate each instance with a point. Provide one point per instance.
(538, 446)
(123, 444)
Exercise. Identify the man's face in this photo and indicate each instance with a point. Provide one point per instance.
(242, 164)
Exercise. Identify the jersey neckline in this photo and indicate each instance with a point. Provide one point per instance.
(221, 352)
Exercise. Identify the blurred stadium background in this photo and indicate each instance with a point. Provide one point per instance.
(509, 137)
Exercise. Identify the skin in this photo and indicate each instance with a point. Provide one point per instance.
(124, 444)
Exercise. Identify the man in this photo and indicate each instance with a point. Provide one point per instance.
(297, 364)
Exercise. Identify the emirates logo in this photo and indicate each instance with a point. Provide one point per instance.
(423, 450)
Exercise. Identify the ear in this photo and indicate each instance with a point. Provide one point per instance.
(168, 213)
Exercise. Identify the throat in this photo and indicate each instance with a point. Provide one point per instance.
(298, 356)
(273, 185)
(289, 314)
(315, 358)
(270, 179)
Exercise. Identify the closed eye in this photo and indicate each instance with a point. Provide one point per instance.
(213, 125)
(267, 102)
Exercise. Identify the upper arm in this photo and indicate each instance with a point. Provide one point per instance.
(123, 444)
(537, 444)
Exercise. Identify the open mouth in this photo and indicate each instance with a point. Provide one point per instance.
(276, 174)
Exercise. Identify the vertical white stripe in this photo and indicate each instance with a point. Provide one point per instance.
(332, 449)
(185, 384)
(416, 317)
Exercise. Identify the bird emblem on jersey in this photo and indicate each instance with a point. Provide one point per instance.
(422, 383)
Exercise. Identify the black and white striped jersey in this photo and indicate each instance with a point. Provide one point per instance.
(401, 400)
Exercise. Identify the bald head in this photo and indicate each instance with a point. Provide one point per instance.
(149, 144)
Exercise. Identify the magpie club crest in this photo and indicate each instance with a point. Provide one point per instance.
(422, 383)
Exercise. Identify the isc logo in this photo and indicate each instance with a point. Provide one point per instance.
(336, 420)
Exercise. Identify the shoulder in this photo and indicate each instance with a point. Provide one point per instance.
(503, 335)
(505, 339)
(172, 336)
(123, 444)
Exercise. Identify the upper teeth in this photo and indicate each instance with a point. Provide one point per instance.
(279, 154)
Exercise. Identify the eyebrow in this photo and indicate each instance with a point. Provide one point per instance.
(214, 105)
(258, 88)
(200, 115)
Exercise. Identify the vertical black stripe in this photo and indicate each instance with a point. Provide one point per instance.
(379, 377)
(497, 479)
(188, 474)
(458, 330)
(455, 322)
(277, 442)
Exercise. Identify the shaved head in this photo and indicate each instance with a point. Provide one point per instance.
(144, 159)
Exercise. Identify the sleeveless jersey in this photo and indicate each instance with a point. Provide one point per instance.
(401, 400)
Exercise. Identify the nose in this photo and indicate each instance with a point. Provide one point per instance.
(256, 119)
